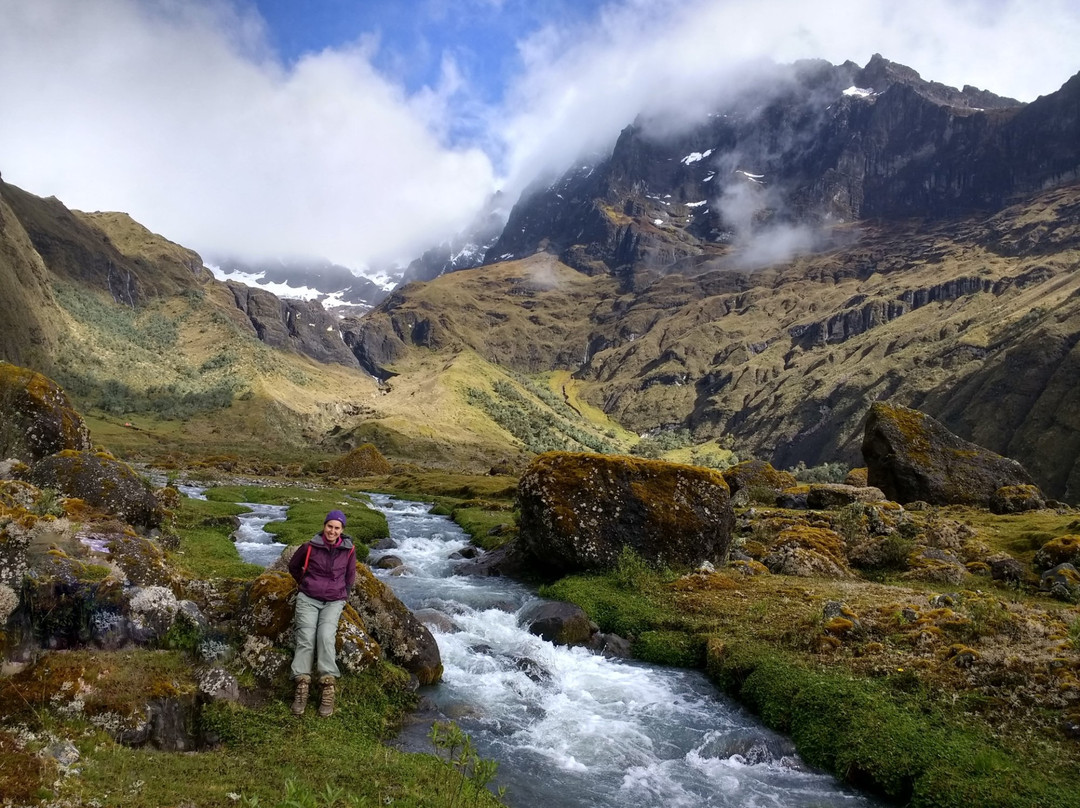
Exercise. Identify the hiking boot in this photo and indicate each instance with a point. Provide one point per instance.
(326, 697)
(303, 685)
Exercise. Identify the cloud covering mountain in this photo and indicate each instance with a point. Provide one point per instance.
(185, 116)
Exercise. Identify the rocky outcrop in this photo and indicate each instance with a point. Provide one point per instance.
(102, 481)
(581, 511)
(760, 476)
(293, 325)
(404, 639)
(36, 417)
(910, 456)
(831, 496)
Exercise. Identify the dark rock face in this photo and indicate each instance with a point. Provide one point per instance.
(36, 417)
(103, 482)
(910, 456)
(293, 325)
(578, 512)
(802, 146)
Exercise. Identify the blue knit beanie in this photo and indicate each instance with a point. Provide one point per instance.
(335, 515)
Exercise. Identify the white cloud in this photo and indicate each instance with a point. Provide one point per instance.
(175, 112)
(675, 58)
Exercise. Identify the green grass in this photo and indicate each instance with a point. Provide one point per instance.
(887, 741)
(885, 735)
(266, 755)
(205, 550)
(307, 509)
(489, 524)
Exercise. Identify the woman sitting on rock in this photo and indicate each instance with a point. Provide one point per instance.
(324, 569)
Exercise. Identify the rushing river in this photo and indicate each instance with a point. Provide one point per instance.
(570, 728)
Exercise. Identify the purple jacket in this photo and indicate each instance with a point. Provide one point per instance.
(330, 570)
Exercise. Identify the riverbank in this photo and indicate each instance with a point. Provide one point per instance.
(880, 684)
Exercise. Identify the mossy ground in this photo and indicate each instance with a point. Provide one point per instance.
(263, 749)
(958, 705)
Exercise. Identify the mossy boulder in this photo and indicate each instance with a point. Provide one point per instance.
(808, 552)
(1062, 581)
(101, 481)
(36, 417)
(1062, 550)
(363, 461)
(140, 559)
(758, 477)
(579, 511)
(910, 456)
(856, 477)
(559, 623)
(1017, 499)
(404, 639)
(833, 496)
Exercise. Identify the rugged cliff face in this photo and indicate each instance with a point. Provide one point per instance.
(768, 174)
(974, 320)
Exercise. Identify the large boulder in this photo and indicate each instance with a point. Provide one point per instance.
(102, 481)
(833, 496)
(579, 511)
(758, 477)
(910, 457)
(36, 417)
(405, 640)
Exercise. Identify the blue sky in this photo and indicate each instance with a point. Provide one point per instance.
(366, 131)
(413, 36)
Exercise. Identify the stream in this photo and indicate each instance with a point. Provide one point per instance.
(571, 728)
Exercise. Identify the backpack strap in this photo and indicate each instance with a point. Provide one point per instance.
(307, 558)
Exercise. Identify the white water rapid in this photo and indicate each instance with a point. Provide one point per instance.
(254, 544)
(573, 729)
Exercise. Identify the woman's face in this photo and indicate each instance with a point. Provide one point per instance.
(332, 530)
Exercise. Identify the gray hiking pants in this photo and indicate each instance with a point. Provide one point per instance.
(315, 624)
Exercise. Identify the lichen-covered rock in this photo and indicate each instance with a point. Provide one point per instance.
(404, 639)
(910, 456)
(579, 511)
(1062, 582)
(151, 611)
(102, 481)
(140, 559)
(217, 684)
(357, 650)
(15, 533)
(266, 661)
(759, 477)
(558, 623)
(9, 602)
(36, 417)
(363, 461)
(270, 606)
(803, 563)
(1062, 550)
(857, 478)
(1017, 499)
(935, 565)
(833, 496)
(18, 494)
